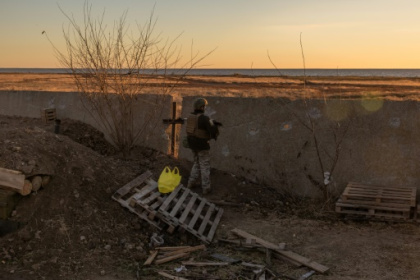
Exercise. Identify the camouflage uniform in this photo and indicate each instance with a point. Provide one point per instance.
(201, 167)
(200, 130)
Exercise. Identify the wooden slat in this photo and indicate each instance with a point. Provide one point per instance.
(206, 219)
(188, 249)
(172, 248)
(197, 214)
(171, 258)
(145, 191)
(188, 208)
(151, 198)
(214, 225)
(170, 198)
(179, 203)
(127, 188)
(191, 263)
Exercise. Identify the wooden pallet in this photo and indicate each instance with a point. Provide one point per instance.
(137, 195)
(377, 201)
(376, 195)
(387, 211)
(191, 212)
(180, 209)
(48, 115)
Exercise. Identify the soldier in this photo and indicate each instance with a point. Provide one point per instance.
(200, 130)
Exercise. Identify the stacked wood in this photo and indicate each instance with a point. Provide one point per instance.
(16, 181)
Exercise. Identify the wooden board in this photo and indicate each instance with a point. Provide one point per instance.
(12, 179)
(288, 254)
(191, 212)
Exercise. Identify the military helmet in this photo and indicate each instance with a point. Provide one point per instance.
(200, 102)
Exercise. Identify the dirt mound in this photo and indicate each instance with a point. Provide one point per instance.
(71, 223)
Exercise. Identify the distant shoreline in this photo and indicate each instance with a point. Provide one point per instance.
(311, 72)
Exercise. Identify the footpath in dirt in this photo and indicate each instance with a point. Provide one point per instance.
(72, 229)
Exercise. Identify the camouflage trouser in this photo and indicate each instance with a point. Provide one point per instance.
(201, 167)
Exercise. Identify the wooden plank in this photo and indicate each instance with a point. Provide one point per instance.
(127, 188)
(150, 198)
(197, 214)
(191, 263)
(170, 198)
(167, 275)
(188, 208)
(186, 250)
(155, 206)
(206, 219)
(178, 205)
(144, 192)
(171, 248)
(289, 254)
(151, 258)
(215, 224)
(171, 258)
(12, 179)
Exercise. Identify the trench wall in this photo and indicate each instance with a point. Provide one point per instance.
(149, 110)
(272, 141)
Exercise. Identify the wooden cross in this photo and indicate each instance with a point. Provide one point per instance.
(174, 121)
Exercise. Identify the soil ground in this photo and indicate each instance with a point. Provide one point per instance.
(72, 229)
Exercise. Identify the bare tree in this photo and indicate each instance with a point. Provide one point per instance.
(112, 66)
(327, 155)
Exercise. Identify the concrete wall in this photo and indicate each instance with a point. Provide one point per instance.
(266, 140)
(149, 110)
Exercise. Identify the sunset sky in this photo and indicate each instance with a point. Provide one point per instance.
(335, 33)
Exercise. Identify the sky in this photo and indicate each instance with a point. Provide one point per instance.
(335, 34)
